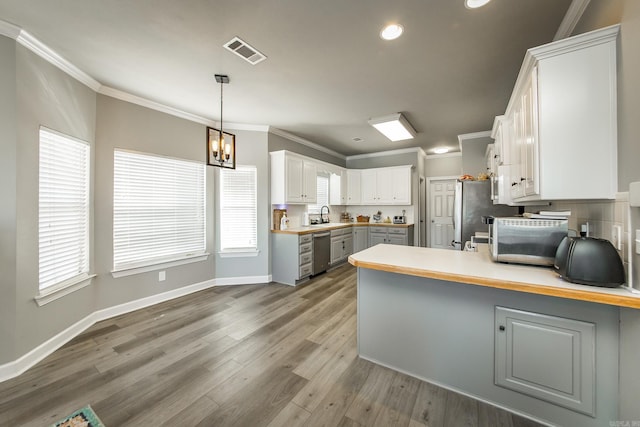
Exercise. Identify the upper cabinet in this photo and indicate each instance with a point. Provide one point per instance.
(338, 188)
(293, 179)
(386, 186)
(354, 190)
(559, 133)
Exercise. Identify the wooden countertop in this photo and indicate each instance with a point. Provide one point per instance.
(477, 268)
(336, 225)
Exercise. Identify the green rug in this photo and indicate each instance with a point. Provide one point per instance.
(84, 417)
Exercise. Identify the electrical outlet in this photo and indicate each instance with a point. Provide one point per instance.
(616, 236)
(162, 276)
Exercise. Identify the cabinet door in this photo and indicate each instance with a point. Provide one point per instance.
(309, 182)
(384, 186)
(347, 245)
(547, 357)
(530, 136)
(294, 182)
(336, 249)
(401, 186)
(336, 196)
(397, 240)
(368, 185)
(360, 236)
(353, 187)
(517, 177)
(375, 238)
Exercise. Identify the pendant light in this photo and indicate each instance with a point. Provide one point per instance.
(221, 145)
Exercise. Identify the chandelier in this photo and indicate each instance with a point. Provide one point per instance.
(221, 145)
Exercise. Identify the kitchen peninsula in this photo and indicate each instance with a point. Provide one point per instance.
(516, 336)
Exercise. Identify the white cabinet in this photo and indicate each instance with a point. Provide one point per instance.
(360, 238)
(563, 109)
(546, 357)
(338, 188)
(386, 186)
(293, 179)
(354, 190)
(341, 244)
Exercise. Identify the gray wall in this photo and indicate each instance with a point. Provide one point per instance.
(124, 125)
(443, 166)
(473, 155)
(44, 96)
(8, 170)
(251, 149)
(277, 143)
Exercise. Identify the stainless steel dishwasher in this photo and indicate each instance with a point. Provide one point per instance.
(321, 251)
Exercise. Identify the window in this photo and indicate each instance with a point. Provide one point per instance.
(238, 209)
(322, 185)
(63, 210)
(158, 210)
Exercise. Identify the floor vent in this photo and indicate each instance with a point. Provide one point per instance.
(244, 50)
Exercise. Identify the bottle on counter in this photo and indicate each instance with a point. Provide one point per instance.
(305, 219)
(284, 222)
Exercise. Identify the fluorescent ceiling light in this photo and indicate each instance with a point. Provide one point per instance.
(441, 150)
(474, 4)
(394, 126)
(391, 31)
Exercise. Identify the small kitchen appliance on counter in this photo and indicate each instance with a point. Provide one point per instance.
(526, 241)
(589, 261)
(400, 219)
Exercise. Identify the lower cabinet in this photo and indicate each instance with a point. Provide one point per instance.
(400, 235)
(546, 357)
(341, 244)
(360, 238)
(288, 247)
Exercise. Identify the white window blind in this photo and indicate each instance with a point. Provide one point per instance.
(238, 208)
(158, 209)
(63, 209)
(322, 185)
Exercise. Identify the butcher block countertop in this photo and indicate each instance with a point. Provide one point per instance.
(334, 226)
(477, 268)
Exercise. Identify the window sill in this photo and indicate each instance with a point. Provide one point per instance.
(239, 253)
(65, 288)
(123, 272)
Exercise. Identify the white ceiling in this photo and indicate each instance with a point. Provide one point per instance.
(327, 72)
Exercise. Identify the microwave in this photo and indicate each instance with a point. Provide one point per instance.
(526, 240)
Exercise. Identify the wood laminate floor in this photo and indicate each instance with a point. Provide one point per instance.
(252, 355)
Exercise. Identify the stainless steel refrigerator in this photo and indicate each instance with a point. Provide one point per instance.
(472, 201)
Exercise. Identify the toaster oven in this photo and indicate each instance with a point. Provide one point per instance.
(526, 240)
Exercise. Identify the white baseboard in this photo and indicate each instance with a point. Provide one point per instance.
(13, 369)
(246, 280)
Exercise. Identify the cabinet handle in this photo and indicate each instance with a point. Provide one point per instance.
(523, 179)
(502, 328)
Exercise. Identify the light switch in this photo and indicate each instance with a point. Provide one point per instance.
(162, 276)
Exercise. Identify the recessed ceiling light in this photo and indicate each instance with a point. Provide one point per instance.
(391, 31)
(441, 150)
(474, 4)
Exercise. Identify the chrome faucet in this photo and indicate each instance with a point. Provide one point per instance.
(322, 220)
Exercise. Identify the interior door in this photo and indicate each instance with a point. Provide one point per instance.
(441, 195)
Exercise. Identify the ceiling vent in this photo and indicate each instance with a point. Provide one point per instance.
(244, 50)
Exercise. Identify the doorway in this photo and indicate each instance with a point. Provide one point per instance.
(441, 192)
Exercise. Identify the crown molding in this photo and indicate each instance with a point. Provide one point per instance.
(443, 155)
(305, 142)
(474, 135)
(9, 30)
(144, 102)
(51, 56)
(245, 126)
(385, 153)
(571, 19)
